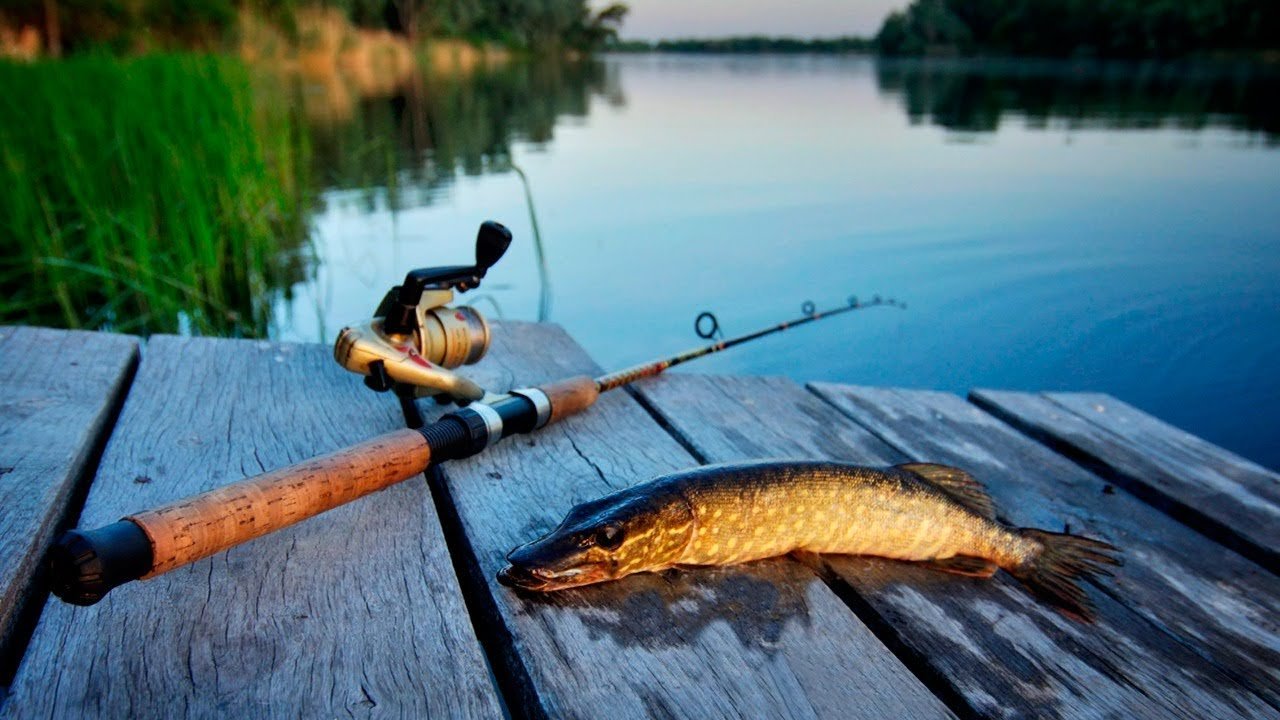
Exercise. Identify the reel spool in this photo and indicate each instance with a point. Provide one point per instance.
(415, 340)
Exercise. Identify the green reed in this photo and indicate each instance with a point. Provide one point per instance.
(147, 195)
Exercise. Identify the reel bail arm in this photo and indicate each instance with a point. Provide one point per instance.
(401, 316)
(415, 340)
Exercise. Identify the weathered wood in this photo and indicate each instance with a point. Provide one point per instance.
(1213, 601)
(59, 391)
(987, 643)
(1228, 498)
(352, 613)
(767, 640)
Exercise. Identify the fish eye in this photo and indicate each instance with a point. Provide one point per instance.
(609, 537)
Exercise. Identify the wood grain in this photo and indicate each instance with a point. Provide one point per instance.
(1225, 496)
(986, 643)
(1216, 603)
(766, 640)
(61, 390)
(354, 613)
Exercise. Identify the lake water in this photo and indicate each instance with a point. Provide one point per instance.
(1051, 227)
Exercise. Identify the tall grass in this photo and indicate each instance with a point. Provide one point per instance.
(147, 195)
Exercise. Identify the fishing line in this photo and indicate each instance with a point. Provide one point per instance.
(712, 330)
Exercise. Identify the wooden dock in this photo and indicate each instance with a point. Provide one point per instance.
(389, 606)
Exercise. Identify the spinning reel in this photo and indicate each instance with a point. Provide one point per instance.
(415, 340)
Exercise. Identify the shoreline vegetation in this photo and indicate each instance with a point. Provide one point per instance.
(1114, 29)
(1118, 29)
(163, 156)
(748, 45)
(128, 219)
(265, 29)
(184, 201)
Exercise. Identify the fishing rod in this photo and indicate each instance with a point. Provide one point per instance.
(411, 348)
(810, 314)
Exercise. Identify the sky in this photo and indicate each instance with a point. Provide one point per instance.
(655, 19)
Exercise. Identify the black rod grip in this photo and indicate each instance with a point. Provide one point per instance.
(85, 564)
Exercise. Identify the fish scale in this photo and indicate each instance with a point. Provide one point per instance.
(891, 518)
(727, 514)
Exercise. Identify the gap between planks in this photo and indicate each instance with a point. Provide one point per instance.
(814, 427)
(1125, 464)
(354, 610)
(866, 614)
(515, 688)
(26, 612)
(556, 648)
(27, 616)
(1243, 653)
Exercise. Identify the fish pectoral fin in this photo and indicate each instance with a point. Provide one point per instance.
(966, 565)
(956, 484)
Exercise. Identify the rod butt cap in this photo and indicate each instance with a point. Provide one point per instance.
(84, 565)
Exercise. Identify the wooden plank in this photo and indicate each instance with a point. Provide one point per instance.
(985, 642)
(59, 392)
(769, 640)
(1213, 601)
(1223, 495)
(352, 613)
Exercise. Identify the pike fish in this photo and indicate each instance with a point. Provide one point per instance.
(931, 514)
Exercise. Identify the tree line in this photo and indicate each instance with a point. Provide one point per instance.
(749, 44)
(1063, 28)
(122, 24)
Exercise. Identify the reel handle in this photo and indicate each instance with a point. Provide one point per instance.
(492, 241)
(86, 564)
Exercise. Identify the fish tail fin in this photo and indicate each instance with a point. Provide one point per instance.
(1055, 574)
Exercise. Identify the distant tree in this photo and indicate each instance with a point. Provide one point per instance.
(1125, 28)
(591, 31)
(52, 27)
(125, 24)
(752, 44)
(410, 15)
(925, 25)
(895, 36)
(604, 26)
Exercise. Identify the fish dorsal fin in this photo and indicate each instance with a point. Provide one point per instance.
(956, 484)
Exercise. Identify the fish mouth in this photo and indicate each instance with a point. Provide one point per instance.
(524, 577)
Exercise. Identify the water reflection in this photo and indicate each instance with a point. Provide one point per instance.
(410, 143)
(975, 95)
(1138, 258)
(1150, 260)
(106, 231)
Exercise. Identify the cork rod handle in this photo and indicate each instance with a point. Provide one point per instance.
(199, 526)
(87, 564)
(571, 396)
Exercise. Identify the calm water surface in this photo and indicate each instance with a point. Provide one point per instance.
(1050, 227)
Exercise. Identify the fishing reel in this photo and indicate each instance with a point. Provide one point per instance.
(415, 340)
